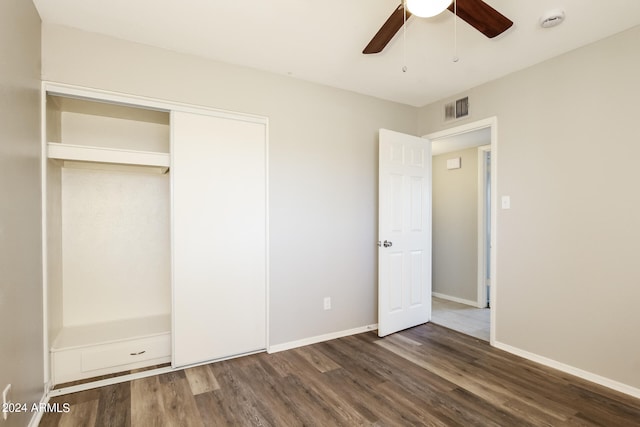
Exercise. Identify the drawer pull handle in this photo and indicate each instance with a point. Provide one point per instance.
(138, 353)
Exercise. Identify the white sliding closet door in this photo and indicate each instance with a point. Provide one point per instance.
(218, 173)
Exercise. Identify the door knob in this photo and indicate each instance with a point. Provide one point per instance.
(387, 244)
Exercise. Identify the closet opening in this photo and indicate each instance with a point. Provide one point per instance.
(108, 259)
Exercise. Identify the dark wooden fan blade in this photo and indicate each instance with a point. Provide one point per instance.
(482, 17)
(387, 31)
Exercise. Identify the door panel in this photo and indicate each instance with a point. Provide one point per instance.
(218, 174)
(417, 276)
(404, 257)
(396, 271)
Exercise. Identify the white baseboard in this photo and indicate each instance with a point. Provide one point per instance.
(320, 338)
(455, 299)
(37, 415)
(585, 375)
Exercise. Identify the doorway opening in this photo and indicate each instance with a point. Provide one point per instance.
(463, 177)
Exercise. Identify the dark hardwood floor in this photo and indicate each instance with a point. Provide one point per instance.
(427, 375)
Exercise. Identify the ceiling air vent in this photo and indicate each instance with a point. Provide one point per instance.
(456, 109)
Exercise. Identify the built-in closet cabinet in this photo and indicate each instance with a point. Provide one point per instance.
(155, 233)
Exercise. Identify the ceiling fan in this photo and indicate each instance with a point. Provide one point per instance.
(476, 13)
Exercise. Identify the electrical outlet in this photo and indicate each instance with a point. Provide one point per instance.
(506, 202)
(6, 399)
(327, 303)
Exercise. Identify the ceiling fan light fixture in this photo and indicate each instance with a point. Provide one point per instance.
(427, 8)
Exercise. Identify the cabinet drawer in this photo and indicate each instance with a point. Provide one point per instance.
(125, 353)
(72, 364)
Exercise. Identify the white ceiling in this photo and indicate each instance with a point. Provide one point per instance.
(322, 40)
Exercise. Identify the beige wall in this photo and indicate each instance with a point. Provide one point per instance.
(566, 250)
(323, 167)
(568, 281)
(20, 219)
(455, 225)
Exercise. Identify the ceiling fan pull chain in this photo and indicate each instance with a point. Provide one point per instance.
(404, 36)
(455, 31)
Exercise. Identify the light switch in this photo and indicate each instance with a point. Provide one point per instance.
(506, 202)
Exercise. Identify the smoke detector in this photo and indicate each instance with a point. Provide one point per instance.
(552, 18)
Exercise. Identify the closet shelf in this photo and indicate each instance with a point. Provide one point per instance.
(60, 151)
(111, 332)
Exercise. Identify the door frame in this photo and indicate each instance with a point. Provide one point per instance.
(492, 124)
(483, 253)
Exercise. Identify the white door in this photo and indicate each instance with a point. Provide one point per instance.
(404, 230)
(218, 175)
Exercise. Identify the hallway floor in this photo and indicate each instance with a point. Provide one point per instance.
(462, 318)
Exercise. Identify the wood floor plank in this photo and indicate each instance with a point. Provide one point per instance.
(214, 411)
(422, 385)
(271, 395)
(236, 400)
(84, 415)
(114, 406)
(180, 408)
(280, 363)
(322, 362)
(312, 407)
(146, 402)
(429, 408)
(493, 394)
(363, 397)
(73, 400)
(495, 381)
(363, 391)
(319, 383)
(535, 412)
(201, 379)
(360, 367)
(533, 389)
(530, 383)
(411, 376)
(52, 419)
(428, 375)
(604, 410)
